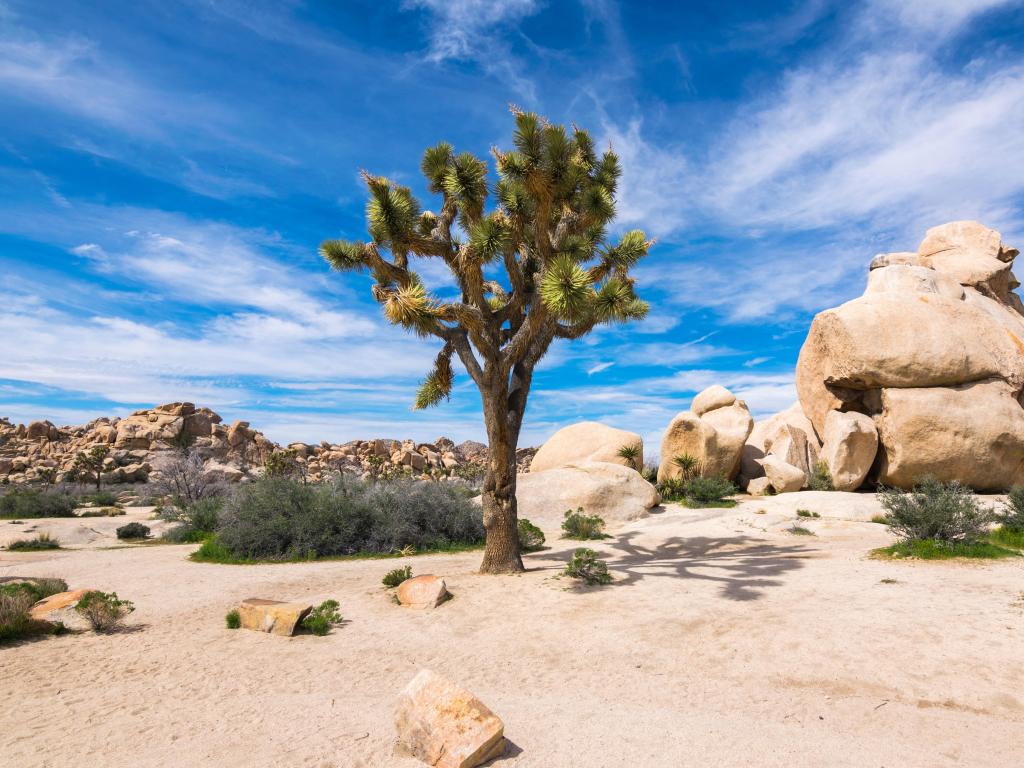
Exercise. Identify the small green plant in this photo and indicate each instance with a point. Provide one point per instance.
(1012, 516)
(708, 490)
(806, 513)
(799, 530)
(582, 527)
(16, 600)
(103, 512)
(103, 610)
(688, 465)
(24, 503)
(672, 489)
(821, 478)
(133, 531)
(397, 576)
(880, 519)
(935, 511)
(322, 618)
(888, 581)
(1007, 537)
(531, 538)
(931, 549)
(100, 498)
(649, 472)
(588, 567)
(632, 455)
(41, 542)
(233, 619)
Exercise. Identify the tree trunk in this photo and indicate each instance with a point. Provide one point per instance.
(501, 551)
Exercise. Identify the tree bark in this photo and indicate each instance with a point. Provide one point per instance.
(501, 551)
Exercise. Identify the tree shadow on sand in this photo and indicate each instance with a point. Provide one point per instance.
(744, 566)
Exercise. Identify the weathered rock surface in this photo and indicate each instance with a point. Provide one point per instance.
(783, 477)
(616, 493)
(933, 353)
(851, 442)
(714, 437)
(61, 608)
(445, 725)
(273, 616)
(422, 592)
(586, 441)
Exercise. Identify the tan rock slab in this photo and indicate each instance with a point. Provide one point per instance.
(586, 441)
(61, 608)
(445, 725)
(422, 592)
(273, 616)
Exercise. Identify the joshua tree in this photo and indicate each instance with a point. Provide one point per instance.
(89, 464)
(536, 268)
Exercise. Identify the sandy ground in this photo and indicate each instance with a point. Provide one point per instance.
(724, 640)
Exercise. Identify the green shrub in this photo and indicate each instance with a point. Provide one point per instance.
(99, 498)
(587, 566)
(944, 512)
(212, 551)
(1012, 517)
(821, 478)
(16, 600)
(689, 466)
(41, 542)
(397, 576)
(531, 538)
(649, 472)
(103, 512)
(103, 610)
(672, 489)
(133, 531)
(32, 503)
(582, 527)
(631, 454)
(806, 513)
(277, 518)
(322, 618)
(198, 519)
(708, 490)
(799, 530)
(233, 619)
(184, 534)
(1008, 537)
(932, 549)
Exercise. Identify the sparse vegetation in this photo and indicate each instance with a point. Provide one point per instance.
(688, 465)
(799, 530)
(88, 466)
(649, 472)
(396, 576)
(133, 531)
(1012, 516)
(932, 549)
(709, 491)
(17, 599)
(947, 513)
(99, 498)
(233, 619)
(198, 519)
(322, 618)
(880, 519)
(588, 567)
(582, 527)
(1007, 537)
(632, 455)
(41, 542)
(103, 512)
(531, 538)
(25, 503)
(104, 610)
(806, 513)
(821, 478)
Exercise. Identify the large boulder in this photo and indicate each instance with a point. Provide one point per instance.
(616, 493)
(713, 432)
(851, 442)
(933, 353)
(587, 441)
(422, 592)
(273, 616)
(445, 725)
(783, 477)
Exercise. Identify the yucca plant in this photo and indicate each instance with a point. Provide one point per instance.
(536, 267)
(632, 455)
(689, 465)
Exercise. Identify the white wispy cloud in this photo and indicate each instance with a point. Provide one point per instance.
(598, 367)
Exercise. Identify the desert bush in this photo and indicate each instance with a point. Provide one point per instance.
(799, 530)
(103, 610)
(821, 478)
(99, 498)
(649, 472)
(198, 519)
(32, 503)
(184, 480)
(16, 600)
(41, 542)
(233, 619)
(322, 618)
(395, 577)
(587, 566)
(672, 489)
(708, 489)
(531, 538)
(133, 531)
(103, 512)
(582, 527)
(1012, 517)
(944, 512)
(932, 549)
(688, 465)
(806, 513)
(279, 518)
(37, 589)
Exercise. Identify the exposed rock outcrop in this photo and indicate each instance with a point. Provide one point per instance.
(713, 432)
(614, 492)
(933, 353)
(587, 441)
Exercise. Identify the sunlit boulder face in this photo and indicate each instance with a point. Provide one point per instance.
(933, 353)
(713, 432)
(589, 441)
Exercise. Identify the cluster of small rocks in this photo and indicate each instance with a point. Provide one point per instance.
(141, 445)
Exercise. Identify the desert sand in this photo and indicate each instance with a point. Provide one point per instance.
(724, 640)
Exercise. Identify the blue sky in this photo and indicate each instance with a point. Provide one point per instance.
(168, 169)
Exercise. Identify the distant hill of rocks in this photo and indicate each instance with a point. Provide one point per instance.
(144, 442)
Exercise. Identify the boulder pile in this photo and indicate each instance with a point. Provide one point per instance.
(921, 375)
(140, 446)
(712, 433)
